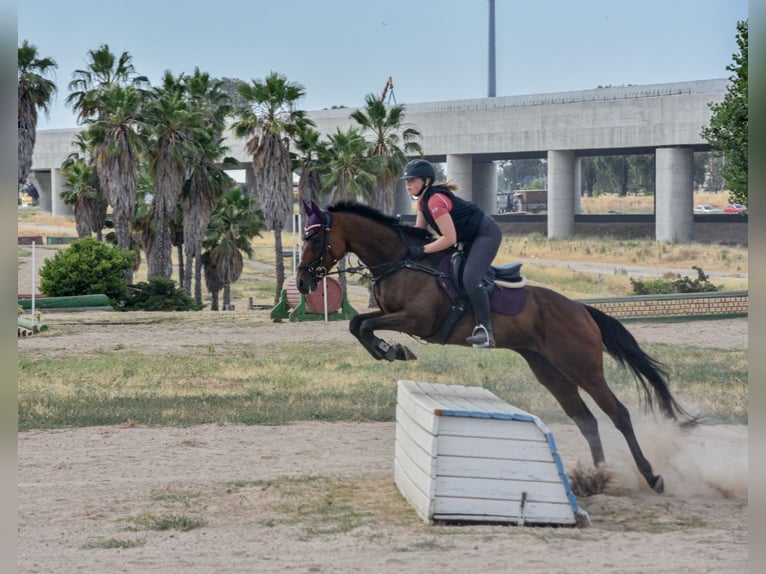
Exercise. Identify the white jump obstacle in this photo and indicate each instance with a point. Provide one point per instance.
(464, 455)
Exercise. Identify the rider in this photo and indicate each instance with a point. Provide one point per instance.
(456, 220)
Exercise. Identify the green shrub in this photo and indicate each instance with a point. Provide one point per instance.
(158, 294)
(679, 285)
(87, 267)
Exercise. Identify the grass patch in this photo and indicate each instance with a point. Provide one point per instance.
(181, 522)
(655, 521)
(111, 543)
(280, 384)
(323, 506)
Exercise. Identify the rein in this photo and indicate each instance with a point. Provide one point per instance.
(319, 271)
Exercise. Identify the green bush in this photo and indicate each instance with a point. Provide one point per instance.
(158, 294)
(87, 267)
(680, 285)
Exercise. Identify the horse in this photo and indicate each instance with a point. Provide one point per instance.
(562, 340)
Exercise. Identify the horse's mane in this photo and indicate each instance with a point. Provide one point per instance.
(371, 213)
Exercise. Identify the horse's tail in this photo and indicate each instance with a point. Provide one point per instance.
(624, 348)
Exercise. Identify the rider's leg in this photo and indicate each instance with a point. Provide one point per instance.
(482, 333)
(480, 256)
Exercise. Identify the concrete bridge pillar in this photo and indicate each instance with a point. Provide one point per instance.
(561, 194)
(42, 181)
(403, 204)
(484, 184)
(674, 202)
(578, 185)
(58, 207)
(460, 171)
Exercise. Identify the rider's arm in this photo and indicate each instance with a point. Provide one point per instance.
(420, 221)
(448, 236)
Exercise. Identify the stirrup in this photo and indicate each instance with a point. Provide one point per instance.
(481, 337)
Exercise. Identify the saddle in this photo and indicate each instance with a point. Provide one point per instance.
(503, 283)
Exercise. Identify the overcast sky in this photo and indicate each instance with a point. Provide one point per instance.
(341, 50)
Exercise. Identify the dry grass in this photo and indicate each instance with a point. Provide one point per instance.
(644, 203)
(258, 278)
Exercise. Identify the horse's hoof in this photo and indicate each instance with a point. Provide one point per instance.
(659, 485)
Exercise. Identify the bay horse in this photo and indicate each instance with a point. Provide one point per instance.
(562, 340)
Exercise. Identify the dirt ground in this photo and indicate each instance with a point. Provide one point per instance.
(79, 489)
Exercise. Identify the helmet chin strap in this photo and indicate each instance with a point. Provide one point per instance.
(422, 189)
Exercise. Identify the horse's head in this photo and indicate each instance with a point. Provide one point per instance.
(317, 257)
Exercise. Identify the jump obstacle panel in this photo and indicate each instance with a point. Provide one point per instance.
(464, 455)
(295, 306)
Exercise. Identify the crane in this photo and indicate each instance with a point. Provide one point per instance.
(388, 89)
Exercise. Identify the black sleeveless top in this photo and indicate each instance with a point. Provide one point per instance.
(466, 215)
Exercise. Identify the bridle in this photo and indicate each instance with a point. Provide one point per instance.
(318, 270)
(316, 267)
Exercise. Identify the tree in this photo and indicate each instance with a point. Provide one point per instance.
(35, 91)
(82, 190)
(728, 128)
(117, 149)
(175, 127)
(107, 95)
(105, 70)
(350, 173)
(308, 164)
(390, 140)
(232, 225)
(350, 169)
(269, 123)
(207, 181)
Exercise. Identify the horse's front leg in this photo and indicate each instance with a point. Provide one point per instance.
(363, 327)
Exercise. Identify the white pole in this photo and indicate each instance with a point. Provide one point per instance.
(34, 276)
(296, 230)
(324, 297)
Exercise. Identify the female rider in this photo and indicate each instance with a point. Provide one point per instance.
(456, 220)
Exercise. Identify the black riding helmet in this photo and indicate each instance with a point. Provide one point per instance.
(419, 168)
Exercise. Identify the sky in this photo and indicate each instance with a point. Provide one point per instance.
(434, 50)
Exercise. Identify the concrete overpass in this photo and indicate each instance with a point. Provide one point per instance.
(664, 119)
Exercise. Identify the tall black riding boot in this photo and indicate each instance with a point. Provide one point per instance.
(482, 333)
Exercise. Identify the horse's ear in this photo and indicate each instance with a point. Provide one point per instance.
(315, 208)
(307, 208)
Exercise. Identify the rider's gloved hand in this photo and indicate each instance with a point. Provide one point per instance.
(415, 251)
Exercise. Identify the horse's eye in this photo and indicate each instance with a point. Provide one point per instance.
(316, 241)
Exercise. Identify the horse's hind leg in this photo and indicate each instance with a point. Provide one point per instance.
(596, 387)
(621, 419)
(564, 388)
(568, 396)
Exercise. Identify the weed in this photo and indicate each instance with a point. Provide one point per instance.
(180, 522)
(109, 543)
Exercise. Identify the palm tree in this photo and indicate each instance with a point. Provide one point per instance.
(308, 164)
(350, 171)
(207, 181)
(269, 123)
(83, 191)
(35, 92)
(105, 70)
(232, 226)
(392, 141)
(107, 96)
(350, 168)
(176, 128)
(117, 149)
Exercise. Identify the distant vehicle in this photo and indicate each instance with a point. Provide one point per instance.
(735, 208)
(528, 200)
(706, 209)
